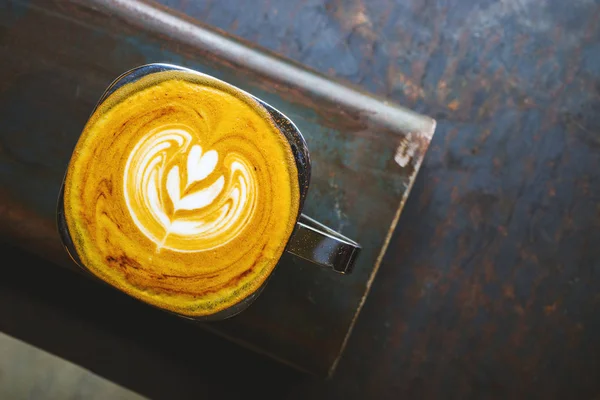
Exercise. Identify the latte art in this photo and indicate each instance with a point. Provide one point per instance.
(160, 190)
(181, 192)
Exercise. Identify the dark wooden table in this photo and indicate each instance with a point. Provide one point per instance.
(491, 285)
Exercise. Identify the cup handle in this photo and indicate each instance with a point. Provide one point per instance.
(323, 246)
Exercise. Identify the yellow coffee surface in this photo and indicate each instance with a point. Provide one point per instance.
(182, 193)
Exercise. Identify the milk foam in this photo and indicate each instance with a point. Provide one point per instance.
(206, 212)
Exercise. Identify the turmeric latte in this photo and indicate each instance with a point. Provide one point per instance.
(181, 192)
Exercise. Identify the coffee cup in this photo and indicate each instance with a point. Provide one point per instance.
(184, 191)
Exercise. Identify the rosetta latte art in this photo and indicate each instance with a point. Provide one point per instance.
(181, 192)
(222, 207)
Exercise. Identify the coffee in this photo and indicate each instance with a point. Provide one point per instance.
(181, 192)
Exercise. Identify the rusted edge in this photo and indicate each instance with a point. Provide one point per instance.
(423, 145)
(186, 30)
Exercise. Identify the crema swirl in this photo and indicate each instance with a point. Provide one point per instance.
(181, 192)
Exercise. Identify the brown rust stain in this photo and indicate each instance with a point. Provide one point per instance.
(551, 308)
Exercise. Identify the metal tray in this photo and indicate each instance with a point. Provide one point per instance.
(58, 57)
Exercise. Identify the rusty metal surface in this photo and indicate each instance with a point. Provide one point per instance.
(489, 288)
(58, 57)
